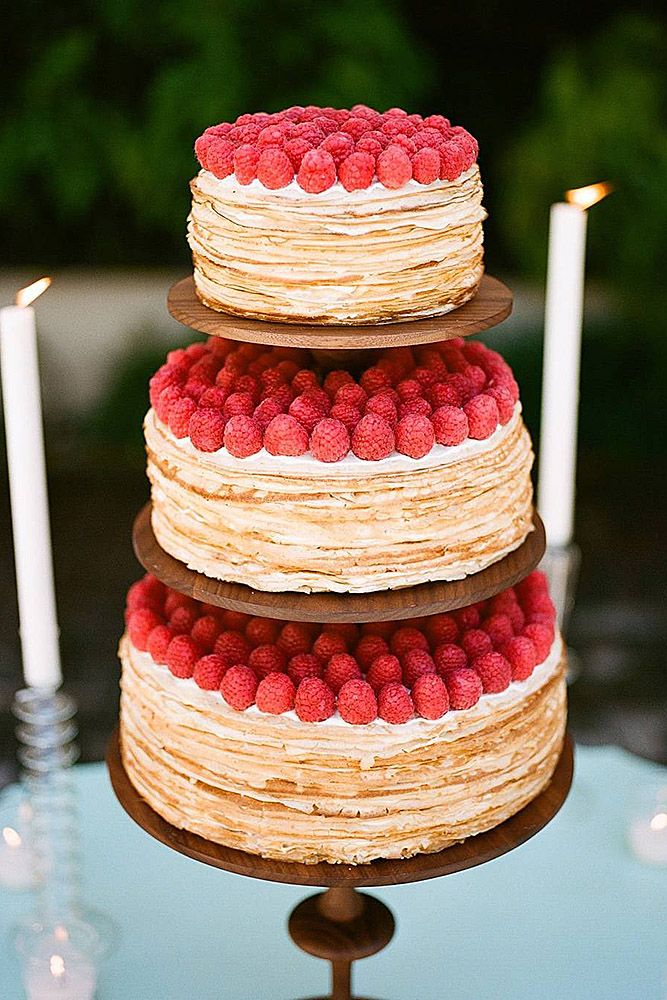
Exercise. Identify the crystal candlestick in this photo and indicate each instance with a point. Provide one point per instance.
(561, 565)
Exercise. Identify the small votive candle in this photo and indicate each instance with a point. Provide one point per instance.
(648, 832)
(59, 974)
(17, 867)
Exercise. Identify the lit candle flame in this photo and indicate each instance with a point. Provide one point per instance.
(585, 197)
(29, 294)
(61, 933)
(57, 966)
(659, 821)
(11, 836)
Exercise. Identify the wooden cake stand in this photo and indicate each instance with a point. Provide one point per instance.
(342, 925)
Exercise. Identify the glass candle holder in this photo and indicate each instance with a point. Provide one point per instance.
(647, 833)
(57, 962)
(17, 859)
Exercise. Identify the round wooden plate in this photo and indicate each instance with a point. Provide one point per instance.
(490, 306)
(384, 605)
(471, 852)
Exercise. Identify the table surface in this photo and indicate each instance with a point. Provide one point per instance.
(571, 914)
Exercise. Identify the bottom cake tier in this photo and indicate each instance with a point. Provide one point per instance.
(466, 749)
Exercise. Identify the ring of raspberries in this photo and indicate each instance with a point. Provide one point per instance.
(247, 397)
(319, 146)
(389, 670)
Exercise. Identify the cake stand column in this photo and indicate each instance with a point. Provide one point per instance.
(341, 925)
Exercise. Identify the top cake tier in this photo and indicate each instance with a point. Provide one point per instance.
(336, 217)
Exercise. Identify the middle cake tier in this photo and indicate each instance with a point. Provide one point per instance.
(269, 472)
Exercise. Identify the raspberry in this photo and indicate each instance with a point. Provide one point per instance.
(140, 624)
(370, 144)
(182, 654)
(270, 135)
(265, 412)
(494, 671)
(295, 637)
(352, 395)
(372, 438)
(164, 376)
(356, 172)
(348, 415)
(430, 696)
(285, 436)
(304, 665)
(335, 380)
(341, 668)
(242, 436)
(238, 687)
(452, 161)
(426, 165)
(317, 171)
(504, 402)
(206, 429)
(340, 145)
(328, 644)
(441, 628)
(407, 638)
(355, 126)
(449, 656)
(475, 642)
(450, 425)
(348, 630)
(437, 122)
(267, 659)
(383, 670)
(166, 399)
(394, 703)
(238, 403)
(442, 394)
(384, 407)
(274, 168)
(304, 379)
(309, 132)
(205, 631)
(416, 408)
(409, 388)
(209, 671)
(393, 167)
(482, 414)
(235, 621)
(369, 648)
(357, 703)
(414, 436)
(214, 398)
(542, 637)
(249, 385)
(374, 380)
(175, 600)
(201, 147)
(275, 694)
(330, 440)
(522, 656)
(315, 701)
(220, 157)
(262, 631)
(464, 687)
(499, 629)
(415, 663)
(467, 617)
(232, 645)
(246, 158)
(306, 412)
(296, 149)
(158, 642)
(183, 619)
(146, 593)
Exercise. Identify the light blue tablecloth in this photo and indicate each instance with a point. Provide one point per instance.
(568, 916)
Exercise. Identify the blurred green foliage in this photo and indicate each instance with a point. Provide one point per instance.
(106, 111)
(601, 116)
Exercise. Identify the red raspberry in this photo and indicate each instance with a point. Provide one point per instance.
(352, 395)
(158, 642)
(450, 425)
(426, 165)
(441, 628)
(274, 168)
(205, 631)
(140, 624)
(238, 687)
(355, 126)
(328, 644)
(416, 408)
(394, 703)
(209, 671)
(369, 648)
(357, 703)
(317, 171)
(201, 146)
(335, 380)
(499, 629)
(262, 631)
(206, 429)
(304, 379)
(393, 167)
(270, 135)
(146, 593)
(341, 668)
(242, 436)
(164, 376)
(267, 659)
(183, 619)
(483, 416)
(414, 436)
(306, 412)
(517, 618)
(442, 394)
(275, 694)
(452, 161)
(356, 172)
(348, 415)
(542, 637)
(370, 144)
(383, 670)
(437, 122)
(246, 158)
(340, 145)
(330, 440)
(235, 621)
(315, 701)
(319, 398)
(372, 438)
(464, 687)
(232, 645)
(430, 696)
(494, 671)
(238, 403)
(165, 401)
(249, 385)
(374, 380)
(521, 653)
(265, 412)
(347, 630)
(448, 656)
(407, 638)
(304, 665)
(214, 398)
(309, 132)
(182, 654)
(175, 600)
(296, 149)
(285, 436)
(220, 157)
(415, 663)
(467, 617)
(295, 637)
(475, 642)
(384, 407)
(409, 388)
